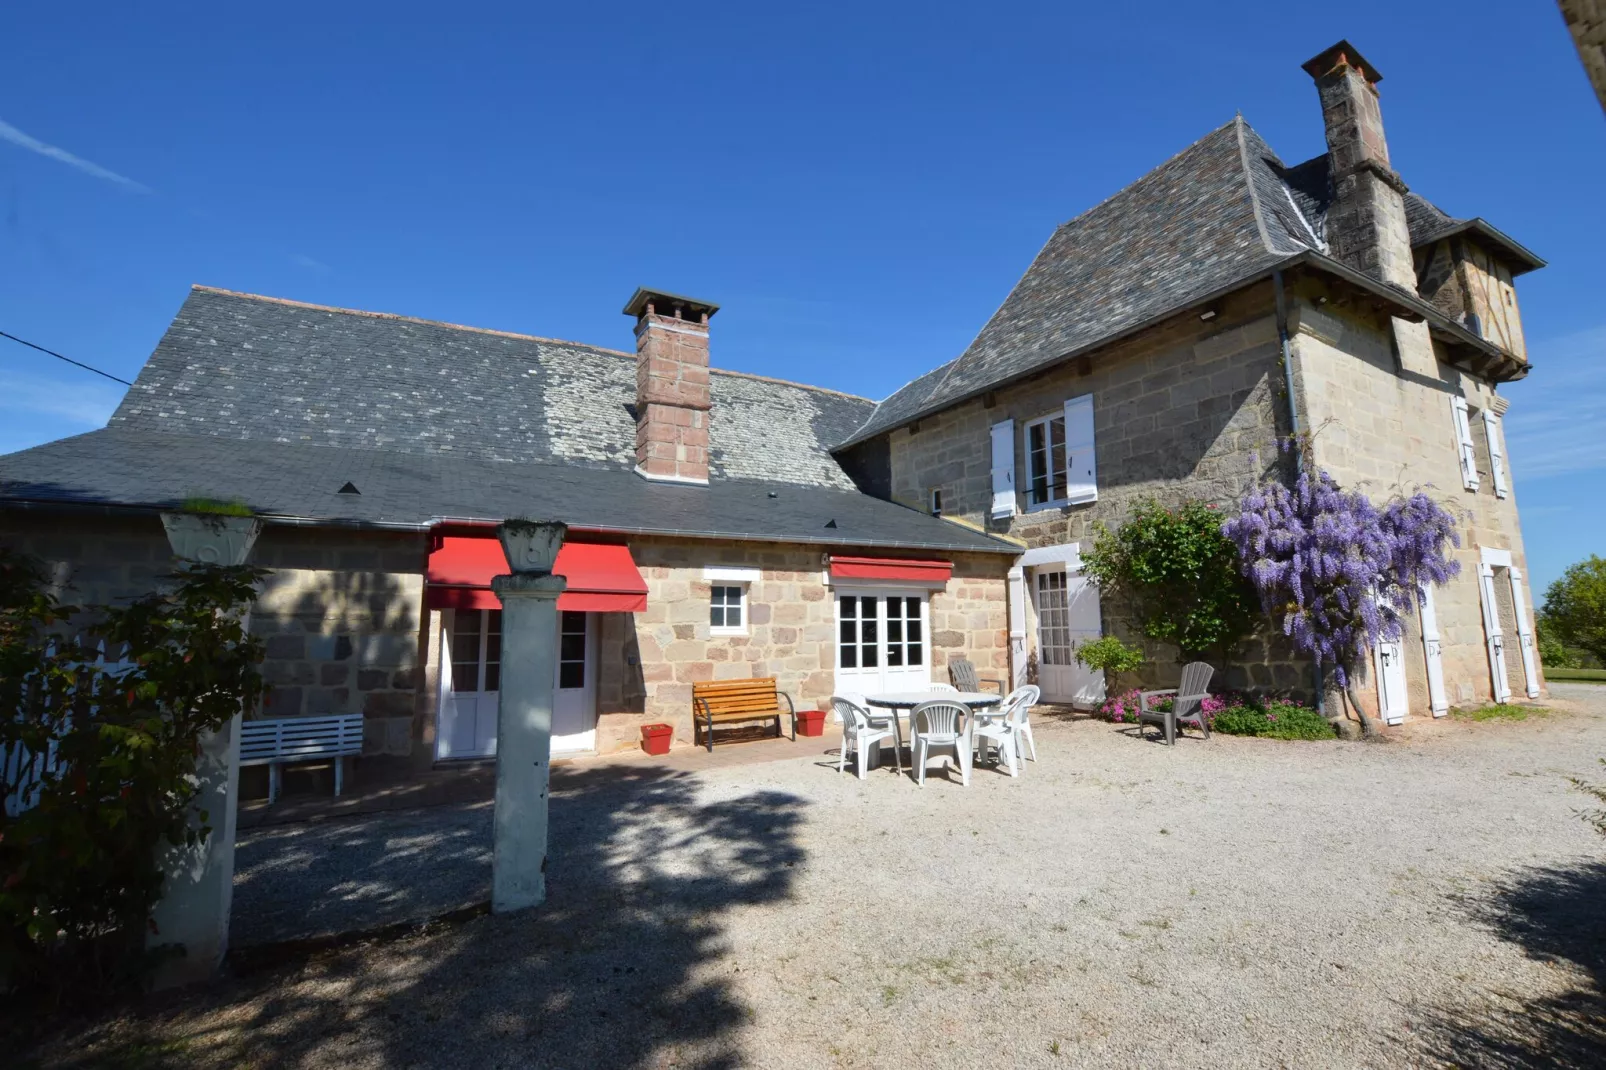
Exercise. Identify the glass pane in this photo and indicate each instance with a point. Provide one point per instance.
(894, 630)
(466, 675)
(915, 656)
(572, 674)
(572, 621)
(869, 655)
(733, 616)
(572, 648)
(850, 608)
(914, 630)
(493, 677)
(850, 656)
(493, 647)
(867, 631)
(716, 616)
(895, 656)
(848, 632)
(493, 621)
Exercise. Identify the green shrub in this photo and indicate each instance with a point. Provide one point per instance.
(80, 836)
(1181, 575)
(1110, 655)
(1272, 720)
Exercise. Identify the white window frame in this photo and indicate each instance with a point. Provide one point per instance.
(739, 579)
(1046, 422)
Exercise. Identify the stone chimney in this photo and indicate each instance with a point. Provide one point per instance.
(672, 406)
(1366, 221)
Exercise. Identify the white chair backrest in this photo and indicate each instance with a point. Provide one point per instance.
(1020, 701)
(943, 689)
(849, 712)
(940, 719)
(852, 697)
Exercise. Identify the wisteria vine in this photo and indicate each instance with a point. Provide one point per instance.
(1334, 570)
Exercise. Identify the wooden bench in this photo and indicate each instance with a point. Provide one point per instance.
(731, 701)
(300, 739)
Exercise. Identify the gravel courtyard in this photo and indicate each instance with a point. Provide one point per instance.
(1432, 900)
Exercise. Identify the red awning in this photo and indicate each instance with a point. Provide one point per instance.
(602, 578)
(892, 570)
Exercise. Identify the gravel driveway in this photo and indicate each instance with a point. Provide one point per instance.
(1432, 900)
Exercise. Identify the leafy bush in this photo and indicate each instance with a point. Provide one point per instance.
(1110, 655)
(1180, 574)
(1272, 720)
(79, 835)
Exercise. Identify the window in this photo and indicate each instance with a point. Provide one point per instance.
(1045, 461)
(571, 649)
(857, 644)
(477, 650)
(936, 501)
(727, 609)
(1053, 619)
(905, 642)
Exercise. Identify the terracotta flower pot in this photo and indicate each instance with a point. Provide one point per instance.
(655, 738)
(811, 723)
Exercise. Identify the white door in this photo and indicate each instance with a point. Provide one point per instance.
(1392, 703)
(881, 641)
(1491, 630)
(471, 677)
(471, 674)
(574, 718)
(1067, 615)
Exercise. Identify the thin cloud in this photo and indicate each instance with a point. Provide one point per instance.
(1554, 425)
(303, 260)
(33, 144)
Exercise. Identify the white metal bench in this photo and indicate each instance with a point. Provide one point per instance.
(300, 739)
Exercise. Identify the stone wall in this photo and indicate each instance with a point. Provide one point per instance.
(648, 661)
(1383, 432)
(339, 612)
(1188, 409)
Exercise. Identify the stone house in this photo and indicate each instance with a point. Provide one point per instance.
(725, 525)
(1164, 342)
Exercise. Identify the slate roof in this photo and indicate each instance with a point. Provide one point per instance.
(120, 466)
(1219, 214)
(244, 367)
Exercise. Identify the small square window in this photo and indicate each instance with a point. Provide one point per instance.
(936, 501)
(727, 609)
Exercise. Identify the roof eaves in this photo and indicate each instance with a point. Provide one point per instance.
(1526, 258)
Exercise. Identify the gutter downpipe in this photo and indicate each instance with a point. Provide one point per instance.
(1293, 424)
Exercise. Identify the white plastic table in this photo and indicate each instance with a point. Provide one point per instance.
(902, 703)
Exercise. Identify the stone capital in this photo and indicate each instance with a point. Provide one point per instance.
(211, 539)
(529, 585)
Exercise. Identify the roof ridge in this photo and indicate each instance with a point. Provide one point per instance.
(1249, 183)
(501, 334)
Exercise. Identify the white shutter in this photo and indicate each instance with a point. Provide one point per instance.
(1491, 630)
(1497, 453)
(1081, 464)
(1463, 436)
(1433, 650)
(1389, 656)
(1525, 633)
(1017, 626)
(1004, 468)
(1086, 623)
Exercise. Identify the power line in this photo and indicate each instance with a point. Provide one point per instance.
(69, 360)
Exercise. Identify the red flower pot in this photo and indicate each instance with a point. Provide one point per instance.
(655, 738)
(811, 723)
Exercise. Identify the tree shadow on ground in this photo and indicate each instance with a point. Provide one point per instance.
(1555, 915)
(623, 966)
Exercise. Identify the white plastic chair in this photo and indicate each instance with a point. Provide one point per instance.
(1028, 696)
(861, 734)
(1005, 732)
(940, 723)
(942, 689)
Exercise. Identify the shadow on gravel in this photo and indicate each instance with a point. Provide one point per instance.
(620, 968)
(1555, 915)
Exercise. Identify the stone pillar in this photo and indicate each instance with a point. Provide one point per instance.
(198, 883)
(524, 715)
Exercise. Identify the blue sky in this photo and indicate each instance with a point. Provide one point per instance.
(859, 187)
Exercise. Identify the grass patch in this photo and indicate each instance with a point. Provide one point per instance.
(1593, 676)
(1499, 711)
(215, 506)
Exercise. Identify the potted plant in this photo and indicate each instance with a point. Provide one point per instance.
(655, 738)
(811, 722)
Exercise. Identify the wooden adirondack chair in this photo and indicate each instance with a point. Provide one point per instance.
(1185, 703)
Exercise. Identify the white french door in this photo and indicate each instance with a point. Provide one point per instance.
(471, 680)
(882, 641)
(1067, 607)
(471, 676)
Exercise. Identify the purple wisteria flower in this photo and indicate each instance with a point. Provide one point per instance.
(1334, 571)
